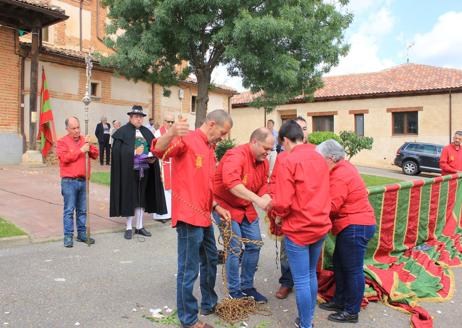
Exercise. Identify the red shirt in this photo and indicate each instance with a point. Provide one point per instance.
(451, 159)
(194, 167)
(71, 158)
(239, 166)
(301, 195)
(349, 198)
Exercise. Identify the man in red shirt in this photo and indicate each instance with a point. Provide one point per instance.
(241, 180)
(451, 156)
(192, 201)
(71, 151)
(166, 171)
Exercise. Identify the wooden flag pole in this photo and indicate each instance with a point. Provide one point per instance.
(87, 100)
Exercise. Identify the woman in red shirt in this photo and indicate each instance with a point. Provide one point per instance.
(353, 225)
(301, 200)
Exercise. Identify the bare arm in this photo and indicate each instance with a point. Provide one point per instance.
(179, 129)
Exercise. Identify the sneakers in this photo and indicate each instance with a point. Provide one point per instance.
(238, 294)
(343, 317)
(331, 306)
(252, 292)
(128, 234)
(83, 239)
(68, 241)
(297, 323)
(143, 232)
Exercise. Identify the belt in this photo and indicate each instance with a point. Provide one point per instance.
(78, 179)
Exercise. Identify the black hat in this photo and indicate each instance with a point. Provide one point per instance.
(137, 109)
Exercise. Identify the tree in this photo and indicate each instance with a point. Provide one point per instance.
(353, 144)
(280, 47)
(317, 137)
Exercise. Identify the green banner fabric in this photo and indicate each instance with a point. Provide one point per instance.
(417, 241)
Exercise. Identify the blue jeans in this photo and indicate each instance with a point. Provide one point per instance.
(286, 279)
(73, 191)
(250, 257)
(348, 260)
(196, 251)
(303, 261)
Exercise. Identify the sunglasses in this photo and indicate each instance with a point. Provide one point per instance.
(170, 122)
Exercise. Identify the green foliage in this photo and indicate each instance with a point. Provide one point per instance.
(353, 144)
(171, 319)
(281, 47)
(223, 146)
(9, 230)
(316, 138)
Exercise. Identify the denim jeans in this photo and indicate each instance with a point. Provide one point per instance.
(303, 261)
(250, 257)
(73, 191)
(348, 260)
(196, 251)
(286, 279)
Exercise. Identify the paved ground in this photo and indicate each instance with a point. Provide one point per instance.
(115, 282)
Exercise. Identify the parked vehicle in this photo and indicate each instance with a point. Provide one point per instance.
(417, 157)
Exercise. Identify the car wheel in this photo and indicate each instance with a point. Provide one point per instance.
(410, 168)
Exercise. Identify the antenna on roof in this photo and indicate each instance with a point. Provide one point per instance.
(408, 47)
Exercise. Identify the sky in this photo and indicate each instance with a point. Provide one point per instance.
(385, 33)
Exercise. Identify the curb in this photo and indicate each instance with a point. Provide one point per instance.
(14, 241)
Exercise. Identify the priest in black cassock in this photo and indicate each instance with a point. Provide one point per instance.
(136, 185)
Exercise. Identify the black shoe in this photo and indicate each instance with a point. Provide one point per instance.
(128, 234)
(208, 311)
(163, 221)
(343, 317)
(297, 323)
(143, 232)
(331, 306)
(83, 239)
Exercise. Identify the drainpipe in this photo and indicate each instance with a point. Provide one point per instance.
(21, 103)
(450, 116)
(80, 24)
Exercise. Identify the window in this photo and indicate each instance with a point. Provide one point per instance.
(323, 123)
(95, 89)
(359, 124)
(405, 123)
(45, 34)
(193, 104)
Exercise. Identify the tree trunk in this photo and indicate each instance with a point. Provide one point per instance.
(203, 82)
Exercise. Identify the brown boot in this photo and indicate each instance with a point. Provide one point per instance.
(199, 324)
(283, 292)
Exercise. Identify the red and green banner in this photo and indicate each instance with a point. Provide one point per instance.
(417, 241)
(46, 133)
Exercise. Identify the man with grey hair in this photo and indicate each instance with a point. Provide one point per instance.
(103, 134)
(71, 150)
(240, 181)
(194, 166)
(451, 156)
(353, 224)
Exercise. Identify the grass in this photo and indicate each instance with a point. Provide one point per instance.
(103, 178)
(370, 180)
(9, 230)
(373, 180)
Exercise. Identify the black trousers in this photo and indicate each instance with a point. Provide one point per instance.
(104, 148)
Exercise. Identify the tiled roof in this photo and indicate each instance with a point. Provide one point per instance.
(42, 4)
(402, 79)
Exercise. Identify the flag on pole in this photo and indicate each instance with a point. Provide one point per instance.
(46, 133)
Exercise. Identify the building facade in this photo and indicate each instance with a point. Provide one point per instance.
(405, 103)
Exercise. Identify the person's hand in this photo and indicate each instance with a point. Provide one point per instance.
(180, 128)
(223, 213)
(139, 150)
(278, 220)
(85, 148)
(263, 202)
(87, 138)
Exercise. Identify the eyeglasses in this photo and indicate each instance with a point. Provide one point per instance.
(170, 122)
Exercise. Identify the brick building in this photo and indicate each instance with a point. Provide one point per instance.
(62, 56)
